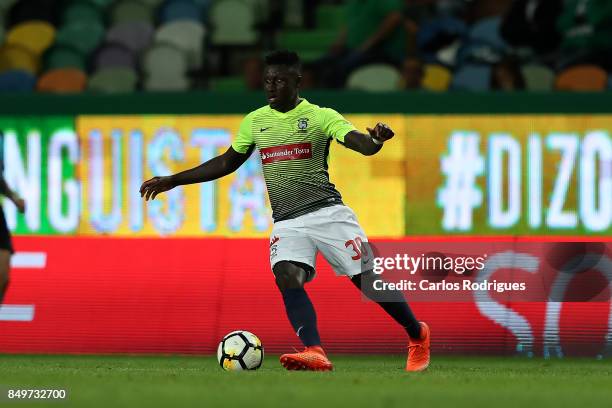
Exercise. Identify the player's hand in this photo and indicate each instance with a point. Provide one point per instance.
(20, 204)
(381, 132)
(152, 187)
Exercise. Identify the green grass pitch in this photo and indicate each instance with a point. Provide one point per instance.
(358, 381)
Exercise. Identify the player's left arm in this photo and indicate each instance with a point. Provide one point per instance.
(371, 143)
(336, 126)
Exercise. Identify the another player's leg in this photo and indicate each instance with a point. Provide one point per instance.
(290, 279)
(6, 250)
(5, 258)
(396, 306)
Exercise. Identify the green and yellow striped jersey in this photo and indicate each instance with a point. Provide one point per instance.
(294, 150)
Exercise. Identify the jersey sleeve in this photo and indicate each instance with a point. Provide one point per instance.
(244, 139)
(335, 125)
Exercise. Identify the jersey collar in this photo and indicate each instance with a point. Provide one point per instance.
(299, 107)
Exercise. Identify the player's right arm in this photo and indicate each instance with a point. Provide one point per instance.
(11, 195)
(215, 168)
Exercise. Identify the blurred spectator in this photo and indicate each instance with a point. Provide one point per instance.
(479, 9)
(507, 76)
(586, 27)
(419, 10)
(309, 77)
(252, 71)
(532, 23)
(412, 73)
(374, 32)
(415, 12)
(455, 8)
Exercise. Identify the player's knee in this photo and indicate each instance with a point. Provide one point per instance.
(289, 280)
(289, 275)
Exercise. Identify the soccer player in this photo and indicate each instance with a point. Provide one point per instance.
(293, 137)
(6, 247)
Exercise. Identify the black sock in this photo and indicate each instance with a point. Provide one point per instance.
(302, 316)
(395, 305)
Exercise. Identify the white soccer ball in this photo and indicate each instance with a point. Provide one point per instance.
(240, 350)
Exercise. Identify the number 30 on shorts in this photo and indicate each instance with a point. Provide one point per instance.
(358, 248)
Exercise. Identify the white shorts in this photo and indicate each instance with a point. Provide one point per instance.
(332, 230)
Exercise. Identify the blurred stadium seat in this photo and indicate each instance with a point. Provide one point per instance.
(175, 83)
(436, 78)
(17, 81)
(113, 80)
(82, 12)
(63, 56)
(215, 36)
(16, 57)
(166, 67)
(114, 55)
(472, 78)
(374, 78)
(135, 35)
(582, 78)
(126, 11)
(232, 23)
(186, 35)
(62, 80)
(164, 60)
(36, 36)
(178, 10)
(538, 78)
(83, 36)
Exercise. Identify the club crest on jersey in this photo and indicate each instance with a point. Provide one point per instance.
(302, 124)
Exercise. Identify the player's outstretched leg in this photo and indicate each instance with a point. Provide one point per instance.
(290, 279)
(395, 305)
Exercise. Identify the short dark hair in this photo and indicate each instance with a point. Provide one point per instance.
(284, 57)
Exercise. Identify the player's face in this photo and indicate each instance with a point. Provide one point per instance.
(281, 84)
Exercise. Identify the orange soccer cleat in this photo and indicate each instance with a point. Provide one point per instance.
(313, 358)
(418, 351)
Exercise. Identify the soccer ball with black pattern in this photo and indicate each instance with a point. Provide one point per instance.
(240, 350)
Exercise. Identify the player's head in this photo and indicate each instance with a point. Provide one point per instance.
(282, 77)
